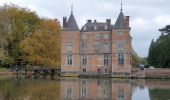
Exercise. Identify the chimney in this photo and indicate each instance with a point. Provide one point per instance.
(108, 21)
(127, 21)
(64, 22)
(95, 21)
(88, 21)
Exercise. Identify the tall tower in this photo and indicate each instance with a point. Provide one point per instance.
(121, 46)
(70, 64)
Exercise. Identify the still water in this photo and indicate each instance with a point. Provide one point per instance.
(84, 89)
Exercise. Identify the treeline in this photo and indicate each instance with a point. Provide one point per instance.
(136, 60)
(159, 51)
(28, 40)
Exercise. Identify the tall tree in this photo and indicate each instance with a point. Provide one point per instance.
(42, 48)
(159, 52)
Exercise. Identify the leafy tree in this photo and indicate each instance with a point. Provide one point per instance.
(42, 48)
(17, 23)
(135, 59)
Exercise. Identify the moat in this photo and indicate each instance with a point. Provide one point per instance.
(84, 89)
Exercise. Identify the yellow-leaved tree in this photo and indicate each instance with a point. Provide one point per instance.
(42, 48)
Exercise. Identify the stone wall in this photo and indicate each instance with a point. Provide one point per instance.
(150, 73)
(157, 73)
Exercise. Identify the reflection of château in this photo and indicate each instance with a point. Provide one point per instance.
(112, 89)
(99, 48)
(95, 89)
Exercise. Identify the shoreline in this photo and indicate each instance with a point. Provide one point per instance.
(139, 74)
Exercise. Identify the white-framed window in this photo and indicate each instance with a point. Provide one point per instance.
(95, 27)
(68, 92)
(106, 46)
(69, 60)
(84, 60)
(83, 91)
(84, 46)
(106, 59)
(121, 59)
(106, 36)
(97, 46)
(105, 27)
(97, 36)
(69, 46)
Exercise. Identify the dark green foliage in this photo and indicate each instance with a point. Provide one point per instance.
(159, 51)
(159, 94)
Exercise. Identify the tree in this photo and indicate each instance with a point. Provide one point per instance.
(159, 52)
(16, 24)
(135, 59)
(151, 54)
(42, 48)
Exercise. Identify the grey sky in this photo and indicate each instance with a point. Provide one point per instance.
(146, 16)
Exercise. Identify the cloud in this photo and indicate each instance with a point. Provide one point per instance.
(146, 16)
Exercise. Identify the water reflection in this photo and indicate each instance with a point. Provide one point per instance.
(29, 90)
(84, 89)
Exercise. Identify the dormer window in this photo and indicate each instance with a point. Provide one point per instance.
(84, 28)
(105, 27)
(95, 27)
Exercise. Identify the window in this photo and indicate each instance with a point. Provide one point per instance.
(120, 94)
(95, 27)
(69, 59)
(106, 36)
(84, 60)
(106, 60)
(83, 36)
(68, 92)
(69, 46)
(84, 46)
(96, 46)
(83, 82)
(120, 46)
(106, 71)
(97, 36)
(105, 27)
(83, 91)
(106, 46)
(121, 59)
(105, 93)
(84, 70)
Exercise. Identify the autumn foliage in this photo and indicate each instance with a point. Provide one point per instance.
(42, 48)
(27, 39)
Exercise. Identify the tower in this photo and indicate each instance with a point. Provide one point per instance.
(70, 46)
(121, 46)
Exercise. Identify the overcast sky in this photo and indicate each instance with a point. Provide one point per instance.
(146, 16)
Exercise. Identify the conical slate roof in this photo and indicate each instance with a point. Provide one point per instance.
(120, 22)
(71, 24)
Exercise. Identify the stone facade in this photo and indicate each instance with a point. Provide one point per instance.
(97, 49)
